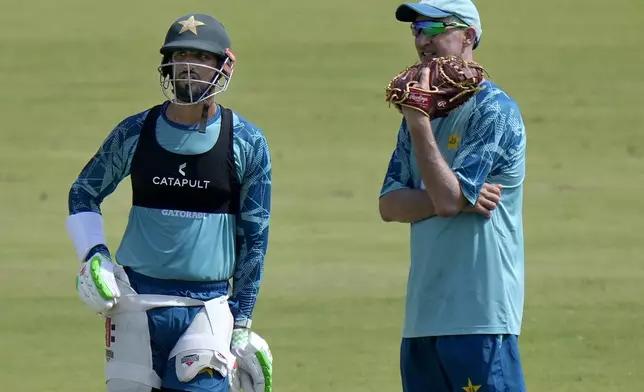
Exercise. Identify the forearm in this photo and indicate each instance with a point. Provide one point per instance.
(441, 183)
(246, 284)
(252, 239)
(85, 223)
(406, 206)
(83, 197)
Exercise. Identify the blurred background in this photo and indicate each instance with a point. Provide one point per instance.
(311, 75)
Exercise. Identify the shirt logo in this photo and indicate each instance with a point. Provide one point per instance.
(453, 141)
(180, 182)
(184, 214)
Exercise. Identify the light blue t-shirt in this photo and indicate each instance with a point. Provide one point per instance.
(176, 245)
(467, 272)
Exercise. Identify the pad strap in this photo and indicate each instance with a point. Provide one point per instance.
(86, 231)
(132, 302)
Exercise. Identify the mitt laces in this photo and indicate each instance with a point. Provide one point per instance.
(466, 85)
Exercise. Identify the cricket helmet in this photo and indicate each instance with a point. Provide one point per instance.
(201, 33)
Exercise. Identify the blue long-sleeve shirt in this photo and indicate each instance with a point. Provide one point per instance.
(194, 247)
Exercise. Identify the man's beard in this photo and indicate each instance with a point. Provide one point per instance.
(183, 90)
(191, 88)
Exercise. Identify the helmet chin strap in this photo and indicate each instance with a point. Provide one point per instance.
(204, 117)
(204, 110)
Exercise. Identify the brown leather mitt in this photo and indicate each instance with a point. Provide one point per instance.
(452, 81)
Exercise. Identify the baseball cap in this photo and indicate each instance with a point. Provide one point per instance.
(465, 10)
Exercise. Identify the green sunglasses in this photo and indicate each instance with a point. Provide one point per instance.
(431, 28)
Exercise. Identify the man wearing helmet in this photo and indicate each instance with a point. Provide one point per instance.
(201, 192)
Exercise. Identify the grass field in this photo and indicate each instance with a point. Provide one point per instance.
(311, 75)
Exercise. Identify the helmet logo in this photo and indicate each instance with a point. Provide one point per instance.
(190, 24)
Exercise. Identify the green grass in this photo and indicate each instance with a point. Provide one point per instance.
(311, 75)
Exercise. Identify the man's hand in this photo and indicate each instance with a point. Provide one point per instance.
(255, 361)
(239, 380)
(412, 114)
(436, 88)
(489, 198)
(96, 283)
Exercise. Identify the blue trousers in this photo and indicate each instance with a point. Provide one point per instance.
(168, 324)
(470, 363)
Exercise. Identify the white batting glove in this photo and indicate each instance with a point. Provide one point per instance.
(255, 372)
(96, 283)
(239, 380)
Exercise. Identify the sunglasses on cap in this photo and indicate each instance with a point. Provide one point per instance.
(431, 28)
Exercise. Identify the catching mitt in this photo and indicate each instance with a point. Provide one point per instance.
(452, 81)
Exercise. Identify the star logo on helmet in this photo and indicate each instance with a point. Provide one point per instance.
(190, 24)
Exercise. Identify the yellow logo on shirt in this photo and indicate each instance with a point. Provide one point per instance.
(453, 141)
(470, 387)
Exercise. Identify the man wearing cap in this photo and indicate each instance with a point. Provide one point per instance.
(458, 180)
(201, 193)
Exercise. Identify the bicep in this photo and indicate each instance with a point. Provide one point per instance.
(509, 167)
(255, 195)
(492, 146)
(104, 171)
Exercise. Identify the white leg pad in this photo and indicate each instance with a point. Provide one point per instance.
(206, 342)
(128, 351)
(117, 385)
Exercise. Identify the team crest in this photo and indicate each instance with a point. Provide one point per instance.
(471, 387)
(190, 24)
(453, 141)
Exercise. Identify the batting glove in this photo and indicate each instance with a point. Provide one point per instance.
(96, 283)
(239, 380)
(255, 371)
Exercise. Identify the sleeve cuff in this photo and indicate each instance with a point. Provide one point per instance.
(470, 191)
(393, 187)
(100, 248)
(243, 323)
